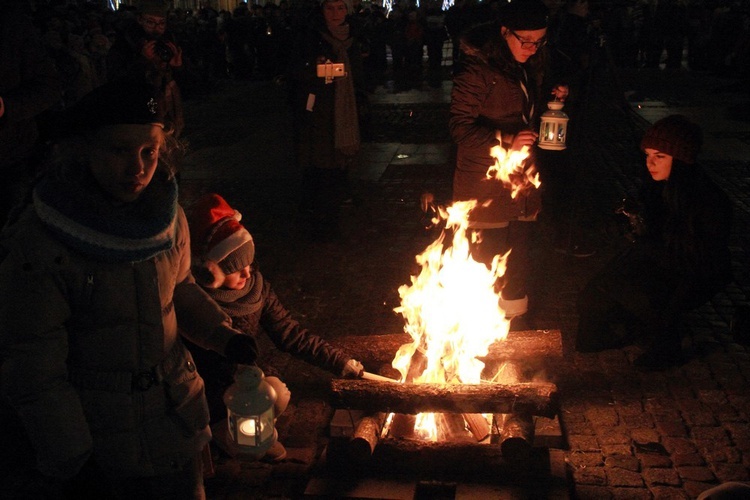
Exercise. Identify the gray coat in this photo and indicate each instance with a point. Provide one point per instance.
(91, 357)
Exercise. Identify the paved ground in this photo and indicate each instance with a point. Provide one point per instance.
(670, 434)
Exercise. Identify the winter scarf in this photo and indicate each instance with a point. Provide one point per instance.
(79, 213)
(346, 121)
(240, 302)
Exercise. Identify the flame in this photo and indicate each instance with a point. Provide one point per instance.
(451, 308)
(451, 311)
(510, 168)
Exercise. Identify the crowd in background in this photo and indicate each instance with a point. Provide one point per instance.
(253, 41)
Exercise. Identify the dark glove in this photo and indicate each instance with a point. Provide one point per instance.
(242, 349)
(352, 369)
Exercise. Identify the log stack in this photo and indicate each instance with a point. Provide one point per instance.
(515, 403)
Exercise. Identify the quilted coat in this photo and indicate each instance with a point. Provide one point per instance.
(110, 375)
(493, 93)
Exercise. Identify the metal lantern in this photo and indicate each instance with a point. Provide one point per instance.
(250, 410)
(553, 130)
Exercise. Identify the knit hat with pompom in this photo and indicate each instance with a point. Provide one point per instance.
(219, 243)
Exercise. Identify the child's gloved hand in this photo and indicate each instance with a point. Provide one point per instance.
(352, 369)
(242, 349)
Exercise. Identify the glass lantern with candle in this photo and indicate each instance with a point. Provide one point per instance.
(250, 410)
(553, 129)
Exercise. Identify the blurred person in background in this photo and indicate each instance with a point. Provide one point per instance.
(327, 113)
(29, 86)
(147, 49)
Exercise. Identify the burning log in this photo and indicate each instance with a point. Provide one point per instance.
(537, 398)
(478, 425)
(375, 350)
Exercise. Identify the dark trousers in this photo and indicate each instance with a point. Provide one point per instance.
(633, 298)
(497, 241)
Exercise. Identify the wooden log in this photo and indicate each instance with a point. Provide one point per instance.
(478, 425)
(366, 436)
(375, 350)
(538, 398)
(516, 435)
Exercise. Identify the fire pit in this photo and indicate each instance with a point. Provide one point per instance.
(449, 408)
(363, 449)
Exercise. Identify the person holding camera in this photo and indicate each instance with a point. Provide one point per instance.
(147, 49)
(327, 86)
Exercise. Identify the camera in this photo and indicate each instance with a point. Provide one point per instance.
(163, 51)
(329, 71)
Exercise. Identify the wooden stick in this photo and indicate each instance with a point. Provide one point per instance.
(376, 377)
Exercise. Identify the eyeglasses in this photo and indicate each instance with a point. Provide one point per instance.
(525, 44)
(153, 23)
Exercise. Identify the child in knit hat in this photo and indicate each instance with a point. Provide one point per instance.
(680, 258)
(224, 265)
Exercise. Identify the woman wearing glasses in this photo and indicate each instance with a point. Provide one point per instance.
(494, 103)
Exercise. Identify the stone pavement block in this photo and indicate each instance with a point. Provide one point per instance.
(687, 459)
(652, 461)
(668, 493)
(630, 493)
(582, 460)
(587, 492)
(696, 473)
(644, 435)
(591, 476)
(658, 477)
(627, 462)
(583, 443)
(731, 472)
(623, 478)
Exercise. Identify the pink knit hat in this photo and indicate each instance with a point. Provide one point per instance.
(219, 243)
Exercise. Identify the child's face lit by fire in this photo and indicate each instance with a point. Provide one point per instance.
(236, 280)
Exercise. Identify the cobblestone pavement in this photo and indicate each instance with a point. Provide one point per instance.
(668, 434)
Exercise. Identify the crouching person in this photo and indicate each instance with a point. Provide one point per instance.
(94, 279)
(224, 264)
(679, 258)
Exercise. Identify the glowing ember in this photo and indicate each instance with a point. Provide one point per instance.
(510, 168)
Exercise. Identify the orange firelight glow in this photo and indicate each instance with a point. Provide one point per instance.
(510, 168)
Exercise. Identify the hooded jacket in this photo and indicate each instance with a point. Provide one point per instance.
(89, 346)
(492, 94)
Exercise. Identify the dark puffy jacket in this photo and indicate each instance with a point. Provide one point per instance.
(268, 316)
(492, 94)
